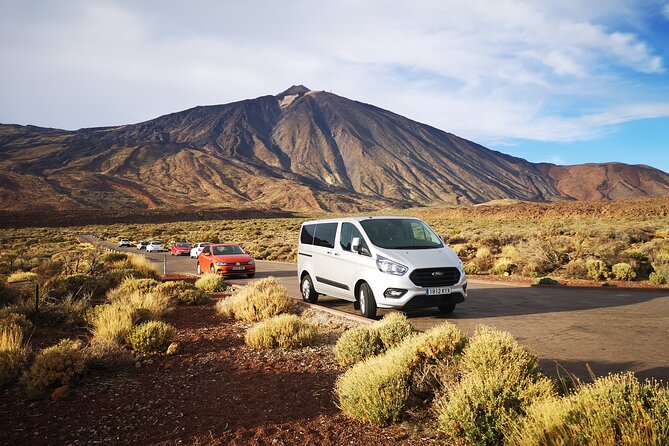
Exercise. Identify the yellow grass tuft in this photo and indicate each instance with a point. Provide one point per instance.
(287, 331)
(257, 301)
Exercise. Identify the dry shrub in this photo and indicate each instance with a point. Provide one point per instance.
(12, 353)
(114, 257)
(576, 269)
(393, 329)
(623, 271)
(111, 323)
(11, 317)
(144, 266)
(257, 301)
(146, 306)
(152, 335)
(378, 390)
(107, 356)
(657, 279)
(356, 345)
(500, 381)
(129, 286)
(182, 292)
(77, 285)
(613, 410)
(471, 268)
(56, 365)
(287, 331)
(211, 282)
(21, 276)
(504, 267)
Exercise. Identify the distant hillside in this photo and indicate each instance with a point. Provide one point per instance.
(298, 150)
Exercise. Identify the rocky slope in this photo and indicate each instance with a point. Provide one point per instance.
(298, 150)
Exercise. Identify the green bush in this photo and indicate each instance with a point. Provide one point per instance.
(152, 335)
(623, 271)
(393, 329)
(471, 268)
(547, 281)
(56, 365)
(357, 344)
(285, 330)
(378, 389)
(257, 301)
(597, 269)
(211, 282)
(12, 353)
(657, 279)
(500, 381)
(613, 410)
(182, 292)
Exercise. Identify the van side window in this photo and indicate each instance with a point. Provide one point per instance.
(348, 231)
(325, 234)
(307, 235)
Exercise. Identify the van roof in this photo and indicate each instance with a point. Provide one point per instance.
(351, 219)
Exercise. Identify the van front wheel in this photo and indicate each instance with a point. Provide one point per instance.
(366, 301)
(307, 287)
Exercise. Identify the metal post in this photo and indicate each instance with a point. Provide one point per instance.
(37, 297)
(164, 264)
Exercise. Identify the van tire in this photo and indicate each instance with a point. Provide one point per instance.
(366, 301)
(446, 308)
(307, 289)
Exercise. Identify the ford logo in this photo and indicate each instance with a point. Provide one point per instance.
(438, 274)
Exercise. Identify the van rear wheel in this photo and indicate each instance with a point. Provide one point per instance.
(307, 287)
(366, 301)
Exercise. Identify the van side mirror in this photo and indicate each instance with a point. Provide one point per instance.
(355, 244)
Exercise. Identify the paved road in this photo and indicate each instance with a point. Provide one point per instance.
(610, 330)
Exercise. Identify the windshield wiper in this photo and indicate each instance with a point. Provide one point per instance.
(416, 247)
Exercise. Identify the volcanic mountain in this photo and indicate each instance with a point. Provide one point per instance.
(298, 150)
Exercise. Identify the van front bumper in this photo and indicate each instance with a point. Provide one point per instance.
(415, 296)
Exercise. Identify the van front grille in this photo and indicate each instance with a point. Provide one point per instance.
(429, 277)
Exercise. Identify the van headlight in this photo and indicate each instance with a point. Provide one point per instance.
(390, 267)
(459, 264)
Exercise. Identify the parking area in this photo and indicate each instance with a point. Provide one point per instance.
(608, 330)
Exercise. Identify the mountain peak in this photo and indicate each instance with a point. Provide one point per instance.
(294, 90)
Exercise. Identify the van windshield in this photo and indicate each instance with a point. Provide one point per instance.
(401, 233)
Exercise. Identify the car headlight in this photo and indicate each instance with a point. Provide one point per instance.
(220, 263)
(389, 267)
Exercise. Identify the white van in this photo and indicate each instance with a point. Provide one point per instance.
(379, 262)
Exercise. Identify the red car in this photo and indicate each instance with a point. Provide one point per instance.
(181, 249)
(226, 259)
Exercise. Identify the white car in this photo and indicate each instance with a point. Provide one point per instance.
(154, 246)
(124, 242)
(379, 262)
(142, 244)
(197, 249)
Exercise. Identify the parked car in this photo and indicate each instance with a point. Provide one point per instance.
(142, 244)
(226, 259)
(154, 246)
(181, 249)
(124, 242)
(197, 249)
(379, 262)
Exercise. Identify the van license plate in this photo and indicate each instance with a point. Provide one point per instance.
(438, 291)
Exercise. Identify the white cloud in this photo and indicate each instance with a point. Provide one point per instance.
(488, 71)
(665, 11)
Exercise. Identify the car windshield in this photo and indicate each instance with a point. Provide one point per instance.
(227, 250)
(183, 245)
(400, 233)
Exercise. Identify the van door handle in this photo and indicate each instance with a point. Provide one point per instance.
(336, 253)
(328, 252)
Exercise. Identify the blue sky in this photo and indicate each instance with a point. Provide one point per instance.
(557, 81)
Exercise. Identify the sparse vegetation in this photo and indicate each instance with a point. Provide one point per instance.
(12, 352)
(182, 293)
(286, 331)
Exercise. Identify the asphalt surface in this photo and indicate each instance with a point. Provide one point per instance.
(569, 329)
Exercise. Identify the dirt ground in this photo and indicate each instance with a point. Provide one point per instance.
(215, 391)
